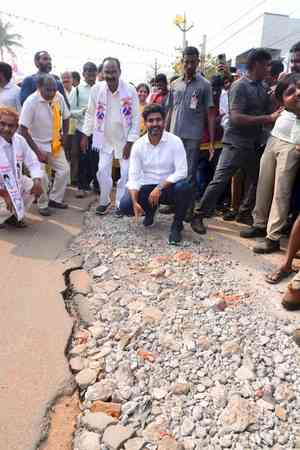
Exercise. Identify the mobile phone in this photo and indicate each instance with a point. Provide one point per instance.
(222, 58)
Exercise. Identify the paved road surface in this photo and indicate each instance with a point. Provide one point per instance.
(34, 326)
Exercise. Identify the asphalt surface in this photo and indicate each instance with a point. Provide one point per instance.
(34, 325)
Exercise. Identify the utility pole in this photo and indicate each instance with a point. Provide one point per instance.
(181, 23)
(203, 53)
(155, 68)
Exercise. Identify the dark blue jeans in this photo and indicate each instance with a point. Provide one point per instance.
(179, 195)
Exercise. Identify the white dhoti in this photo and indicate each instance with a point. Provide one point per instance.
(27, 198)
(62, 178)
(104, 176)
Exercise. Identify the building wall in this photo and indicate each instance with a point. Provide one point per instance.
(280, 32)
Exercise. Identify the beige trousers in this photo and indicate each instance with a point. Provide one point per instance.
(278, 169)
(61, 179)
(27, 184)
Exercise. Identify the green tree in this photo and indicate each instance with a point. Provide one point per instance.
(210, 66)
(8, 40)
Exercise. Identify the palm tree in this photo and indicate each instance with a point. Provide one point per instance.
(8, 40)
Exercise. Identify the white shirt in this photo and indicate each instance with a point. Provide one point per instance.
(153, 164)
(114, 137)
(24, 154)
(113, 130)
(285, 127)
(224, 108)
(79, 100)
(10, 95)
(36, 115)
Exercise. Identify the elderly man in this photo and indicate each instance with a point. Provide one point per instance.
(157, 174)
(113, 117)
(44, 123)
(9, 91)
(17, 191)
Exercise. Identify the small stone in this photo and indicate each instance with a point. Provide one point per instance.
(219, 396)
(168, 342)
(203, 342)
(226, 441)
(83, 309)
(76, 364)
(169, 443)
(152, 314)
(97, 331)
(197, 413)
(284, 392)
(97, 421)
(78, 349)
(281, 413)
(86, 377)
(245, 373)
(159, 393)
(87, 440)
(80, 282)
(99, 271)
(135, 444)
(181, 389)
(187, 427)
(238, 415)
(230, 347)
(115, 436)
(102, 390)
(157, 273)
(189, 444)
(265, 405)
(112, 409)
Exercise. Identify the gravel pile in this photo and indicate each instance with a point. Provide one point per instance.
(175, 350)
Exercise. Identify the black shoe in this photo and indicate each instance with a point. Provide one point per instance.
(229, 216)
(198, 225)
(58, 205)
(14, 222)
(46, 212)
(253, 232)
(268, 246)
(81, 193)
(175, 234)
(246, 219)
(101, 210)
(148, 220)
(168, 209)
(118, 213)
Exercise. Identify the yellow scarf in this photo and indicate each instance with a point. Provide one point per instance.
(56, 137)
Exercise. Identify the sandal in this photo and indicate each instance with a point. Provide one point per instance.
(278, 276)
(14, 222)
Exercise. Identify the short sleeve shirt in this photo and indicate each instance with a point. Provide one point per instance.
(36, 115)
(247, 97)
(189, 101)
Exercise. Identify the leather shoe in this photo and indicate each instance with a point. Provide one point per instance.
(198, 225)
(268, 246)
(54, 204)
(253, 232)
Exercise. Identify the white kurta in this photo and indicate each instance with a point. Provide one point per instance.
(18, 150)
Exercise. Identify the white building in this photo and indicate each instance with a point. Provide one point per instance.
(273, 31)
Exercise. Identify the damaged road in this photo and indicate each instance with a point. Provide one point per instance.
(34, 324)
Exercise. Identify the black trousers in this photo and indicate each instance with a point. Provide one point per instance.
(231, 160)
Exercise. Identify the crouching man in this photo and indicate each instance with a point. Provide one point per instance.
(17, 191)
(157, 174)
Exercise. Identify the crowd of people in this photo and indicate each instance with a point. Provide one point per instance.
(230, 145)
